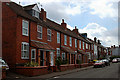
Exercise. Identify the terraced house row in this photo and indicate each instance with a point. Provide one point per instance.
(28, 35)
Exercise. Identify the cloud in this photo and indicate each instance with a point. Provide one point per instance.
(107, 37)
(69, 27)
(65, 8)
(104, 8)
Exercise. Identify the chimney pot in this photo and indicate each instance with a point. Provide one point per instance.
(114, 46)
(62, 20)
(75, 27)
(95, 39)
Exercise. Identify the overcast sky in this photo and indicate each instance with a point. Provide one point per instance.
(97, 18)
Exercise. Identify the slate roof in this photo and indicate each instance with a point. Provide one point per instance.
(19, 10)
(42, 46)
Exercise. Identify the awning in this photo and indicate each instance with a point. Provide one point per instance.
(42, 45)
(81, 51)
(67, 49)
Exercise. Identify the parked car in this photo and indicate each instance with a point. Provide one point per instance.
(107, 63)
(99, 63)
(114, 60)
(3, 64)
(118, 59)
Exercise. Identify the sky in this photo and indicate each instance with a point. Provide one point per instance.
(97, 18)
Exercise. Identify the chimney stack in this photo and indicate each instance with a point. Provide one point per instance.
(111, 46)
(114, 46)
(99, 42)
(95, 39)
(43, 14)
(63, 24)
(76, 30)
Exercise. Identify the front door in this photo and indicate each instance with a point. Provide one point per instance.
(41, 58)
(52, 58)
(47, 58)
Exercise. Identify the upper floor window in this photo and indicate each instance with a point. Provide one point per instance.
(86, 46)
(92, 46)
(65, 39)
(76, 43)
(58, 37)
(25, 50)
(58, 52)
(48, 34)
(83, 45)
(70, 41)
(39, 31)
(25, 27)
(80, 44)
(35, 13)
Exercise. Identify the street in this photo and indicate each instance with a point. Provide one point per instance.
(111, 71)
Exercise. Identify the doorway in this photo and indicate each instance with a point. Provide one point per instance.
(41, 58)
(52, 58)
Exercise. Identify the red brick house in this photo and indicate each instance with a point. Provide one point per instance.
(29, 36)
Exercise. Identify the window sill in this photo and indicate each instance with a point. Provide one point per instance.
(39, 38)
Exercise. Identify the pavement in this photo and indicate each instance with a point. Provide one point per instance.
(11, 75)
(112, 71)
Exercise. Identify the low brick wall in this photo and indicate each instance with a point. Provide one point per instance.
(84, 65)
(3, 74)
(32, 71)
(67, 67)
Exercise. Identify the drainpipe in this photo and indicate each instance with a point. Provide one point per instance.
(60, 40)
(29, 38)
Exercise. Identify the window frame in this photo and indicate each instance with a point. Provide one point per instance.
(63, 56)
(58, 37)
(22, 51)
(75, 43)
(39, 31)
(57, 52)
(49, 35)
(23, 27)
(65, 39)
(80, 44)
(83, 45)
(70, 38)
(31, 54)
(86, 46)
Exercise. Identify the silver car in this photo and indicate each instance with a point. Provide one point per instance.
(3, 64)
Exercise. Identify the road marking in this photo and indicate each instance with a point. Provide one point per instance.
(56, 77)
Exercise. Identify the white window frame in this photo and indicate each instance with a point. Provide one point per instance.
(80, 44)
(70, 41)
(86, 46)
(63, 56)
(65, 39)
(34, 55)
(58, 37)
(39, 31)
(49, 34)
(58, 54)
(35, 13)
(83, 45)
(75, 43)
(22, 51)
(23, 27)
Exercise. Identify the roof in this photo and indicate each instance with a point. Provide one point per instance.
(81, 51)
(19, 10)
(41, 45)
(67, 49)
(28, 7)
